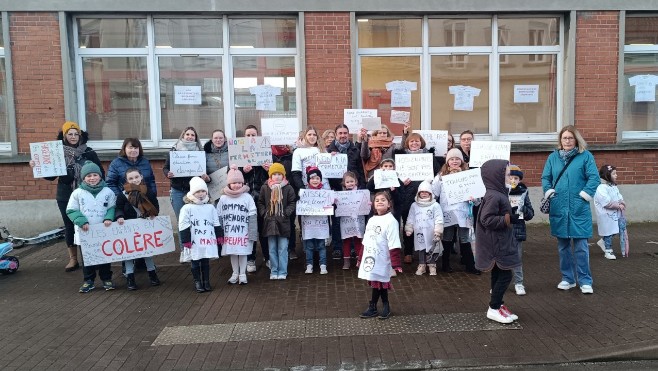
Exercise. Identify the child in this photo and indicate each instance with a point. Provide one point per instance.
(520, 201)
(610, 207)
(199, 229)
(276, 203)
(425, 222)
(315, 229)
(381, 252)
(93, 202)
(137, 201)
(237, 213)
(496, 250)
(386, 164)
(351, 227)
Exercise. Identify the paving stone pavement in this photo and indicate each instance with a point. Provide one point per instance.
(310, 321)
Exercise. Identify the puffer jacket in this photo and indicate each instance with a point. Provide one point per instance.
(276, 225)
(527, 211)
(116, 173)
(215, 160)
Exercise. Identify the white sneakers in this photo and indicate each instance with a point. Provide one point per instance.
(586, 289)
(234, 279)
(251, 266)
(520, 289)
(610, 256)
(323, 269)
(267, 264)
(242, 279)
(393, 273)
(274, 277)
(607, 253)
(499, 315)
(421, 270)
(432, 268)
(309, 269)
(564, 285)
(601, 244)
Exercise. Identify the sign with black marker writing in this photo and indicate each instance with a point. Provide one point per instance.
(463, 185)
(485, 150)
(415, 167)
(187, 163)
(254, 151)
(315, 202)
(332, 166)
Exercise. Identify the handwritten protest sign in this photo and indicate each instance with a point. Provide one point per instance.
(332, 166)
(352, 118)
(461, 186)
(254, 151)
(517, 201)
(351, 203)
(187, 95)
(484, 150)
(136, 238)
(415, 167)
(48, 158)
(315, 202)
(400, 117)
(187, 163)
(386, 179)
(437, 139)
(217, 183)
(371, 123)
(282, 131)
(315, 227)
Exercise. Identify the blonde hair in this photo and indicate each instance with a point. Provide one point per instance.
(580, 141)
(317, 142)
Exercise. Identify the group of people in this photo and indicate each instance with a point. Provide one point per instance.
(257, 207)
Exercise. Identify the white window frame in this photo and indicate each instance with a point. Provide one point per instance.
(8, 146)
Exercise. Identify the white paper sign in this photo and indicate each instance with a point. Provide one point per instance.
(526, 93)
(187, 95)
(315, 202)
(351, 203)
(265, 97)
(415, 167)
(437, 139)
(463, 185)
(484, 150)
(187, 163)
(48, 158)
(282, 131)
(371, 123)
(517, 201)
(397, 139)
(331, 166)
(400, 117)
(136, 238)
(217, 183)
(386, 179)
(254, 151)
(352, 118)
(645, 87)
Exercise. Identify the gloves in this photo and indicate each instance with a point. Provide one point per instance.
(549, 193)
(187, 245)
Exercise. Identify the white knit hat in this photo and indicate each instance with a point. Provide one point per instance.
(425, 186)
(455, 152)
(197, 184)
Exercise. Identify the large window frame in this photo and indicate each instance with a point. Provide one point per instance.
(425, 52)
(8, 146)
(152, 55)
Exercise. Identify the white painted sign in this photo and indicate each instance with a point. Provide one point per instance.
(187, 95)
(254, 151)
(400, 117)
(282, 131)
(526, 93)
(437, 139)
(265, 97)
(136, 238)
(217, 183)
(484, 150)
(386, 179)
(331, 166)
(463, 185)
(315, 202)
(415, 167)
(371, 123)
(48, 158)
(187, 163)
(351, 203)
(352, 118)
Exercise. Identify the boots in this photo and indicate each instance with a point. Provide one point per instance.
(130, 281)
(371, 312)
(432, 268)
(73, 259)
(196, 275)
(386, 312)
(155, 281)
(205, 274)
(346, 264)
(421, 270)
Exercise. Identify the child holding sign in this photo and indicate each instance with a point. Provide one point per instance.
(425, 223)
(315, 228)
(93, 202)
(351, 227)
(520, 201)
(198, 226)
(387, 164)
(381, 252)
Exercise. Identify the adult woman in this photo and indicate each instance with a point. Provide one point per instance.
(305, 156)
(328, 137)
(188, 141)
(131, 155)
(76, 153)
(570, 216)
(373, 151)
(216, 152)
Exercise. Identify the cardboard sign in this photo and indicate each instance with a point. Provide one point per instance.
(352, 203)
(415, 167)
(136, 238)
(187, 163)
(332, 166)
(461, 186)
(217, 183)
(282, 131)
(386, 179)
(371, 123)
(254, 151)
(315, 202)
(484, 150)
(48, 158)
(352, 118)
(437, 139)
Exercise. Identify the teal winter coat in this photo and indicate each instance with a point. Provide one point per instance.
(570, 215)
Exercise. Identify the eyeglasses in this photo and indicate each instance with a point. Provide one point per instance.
(568, 138)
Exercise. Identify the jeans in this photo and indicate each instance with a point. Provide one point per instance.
(518, 271)
(278, 255)
(315, 244)
(176, 198)
(292, 239)
(500, 280)
(130, 265)
(607, 241)
(69, 230)
(574, 260)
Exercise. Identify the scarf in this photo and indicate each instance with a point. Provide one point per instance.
(73, 158)
(215, 149)
(276, 199)
(136, 195)
(231, 193)
(566, 155)
(377, 149)
(279, 151)
(190, 198)
(319, 186)
(425, 203)
(422, 150)
(182, 145)
(94, 190)
(342, 148)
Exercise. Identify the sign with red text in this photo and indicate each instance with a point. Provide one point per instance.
(48, 159)
(136, 238)
(254, 151)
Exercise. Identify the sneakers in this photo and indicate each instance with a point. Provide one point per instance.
(281, 277)
(601, 244)
(323, 269)
(586, 289)
(234, 279)
(86, 287)
(564, 285)
(251, 266)
(421, 270)
(610, 255)
(108, 285)
(509, 313)
(393, 273)
(274, 277)
(242, 279)
(267, 264)
(499, 315)
(346, 264)
(408, 259)
(292, 255)
(309, 269)
(432, 268)
(520, 289)
(337, 255)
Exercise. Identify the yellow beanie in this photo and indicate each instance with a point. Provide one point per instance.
(276, 168)
(70, 125)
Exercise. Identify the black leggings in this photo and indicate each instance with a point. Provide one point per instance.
(69, 231)
(379, 293)
(500, 280)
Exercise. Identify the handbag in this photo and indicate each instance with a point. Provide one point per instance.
(545, 203)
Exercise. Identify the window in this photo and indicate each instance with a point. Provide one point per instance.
(7, 124)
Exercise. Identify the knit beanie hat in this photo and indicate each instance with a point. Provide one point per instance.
(387, 160)
(516, 170)
(197, 184)
(425, 186)
(455, 152)
(234, 175)
(89, 168)
(312, 170)
(70, 125)
(276, 168)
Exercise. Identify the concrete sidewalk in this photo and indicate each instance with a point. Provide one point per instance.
(312, 320)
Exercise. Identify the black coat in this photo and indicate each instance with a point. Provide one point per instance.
(179, 183)
(354, 164)
(407, 193)
(527, 211)
(275, 225)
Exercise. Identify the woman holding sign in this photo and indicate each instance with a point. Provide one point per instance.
(216, 152)
(373, 151)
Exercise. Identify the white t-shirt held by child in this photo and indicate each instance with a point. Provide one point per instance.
(382, 234)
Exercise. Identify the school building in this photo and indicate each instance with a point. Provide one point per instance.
(507, 70)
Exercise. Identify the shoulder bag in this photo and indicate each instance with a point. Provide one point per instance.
(545, 203)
